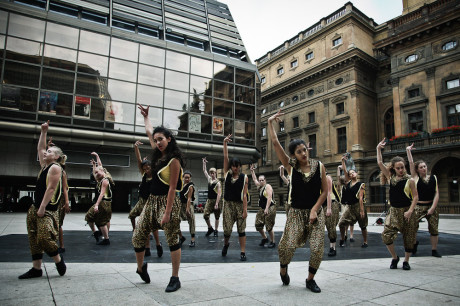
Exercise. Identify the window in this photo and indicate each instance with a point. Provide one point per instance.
(282, 126)
(264, 132)
(263, 80)
(453, 115)
(378, 192)
(264, 111)
(309, 56)
(411, 58)
(337, 41)
(147, 31)
(123, 24)
(415, 122)
(312, 141)
(311, 92)
(339, 81)
(295, 98)
(452, 84)
(340, 107)
(280, 71)
(449, 45)
(389, 124)
(94, 17)
(63, 9)
(295, 122)
(281, 104)
(294, 64)
(453, 177)
(311, 117)
(263, 153)
(342, 140)
(413, 93)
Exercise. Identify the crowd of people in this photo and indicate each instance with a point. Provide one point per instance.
(167, 194)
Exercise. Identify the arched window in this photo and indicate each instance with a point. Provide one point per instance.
(389, 123)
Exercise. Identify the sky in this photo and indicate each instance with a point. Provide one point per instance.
(266, 24)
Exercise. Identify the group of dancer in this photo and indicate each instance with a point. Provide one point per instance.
(166, 196)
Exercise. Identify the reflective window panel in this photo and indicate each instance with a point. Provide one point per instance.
(223, 90)
(123, 70)
(200, 85)
(24, 50)
(124, 49)
(21, 74)
(177, 61)
(199, 124)
(92, 64)
(155, 116)
(19, 98)
(201, 67)
(245, 94)
(122, 91)
(94, 43)
(61, 35)
(26, 27)
(176, 100)
(175, 120)
(147, 95)
(201, 104)
(58, 80)
(55, 103)
(151, 75)
(3, 21)
(244, 77)
(223, 108)
(119, 112)
(91, 85)
(244, 112)
(223, 72)
(59, 57)
(176, 80)
(152, 56)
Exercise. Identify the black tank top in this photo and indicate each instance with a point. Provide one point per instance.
(212, 195)
(305, 190)
(427, 190)
(398, 197)
(234, 191)
(263, 199)
(336, 195)
(144, 187)
(108, 192)
(42, 185)
(160, 186)
(184, 196)
(350, 193)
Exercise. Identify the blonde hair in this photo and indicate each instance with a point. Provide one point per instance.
(62, 157)
(106, 173)
(213, 170)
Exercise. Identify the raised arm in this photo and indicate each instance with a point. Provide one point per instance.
(245, 198)
(282, 156)
(339, 184)
(148, 126)
(41, 147)
(204, 169)
(344, 167)
(219, 195)
(174, 170)
(98, 160)
(254, 177)
(226, 161)
(65, 190)
(138, 156)
(53, 177)
(321, 198)
(382, 167)
(285, 180)
(329, 198)
(409, 149)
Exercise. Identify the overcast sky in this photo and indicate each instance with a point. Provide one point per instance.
(266, 24)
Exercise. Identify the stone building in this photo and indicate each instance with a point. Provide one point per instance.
(346, 82)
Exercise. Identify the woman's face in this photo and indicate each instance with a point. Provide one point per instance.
(50, 155)
(147, 169)
(187, 178)
(235, 168)
(161, 141)
(422, 169)
(301, 153)
(213, 174)
(400, 169)
(99, 174)
(352, 174)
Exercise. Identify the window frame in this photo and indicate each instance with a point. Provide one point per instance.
(341, 139)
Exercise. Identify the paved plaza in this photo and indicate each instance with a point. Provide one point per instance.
(105, 275)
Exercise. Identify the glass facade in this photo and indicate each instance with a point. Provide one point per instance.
(90, 79)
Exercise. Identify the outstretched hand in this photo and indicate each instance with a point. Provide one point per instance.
(45, 126)
(381, 144)
(410, 148)
(204, 160)
(50, 142)
(228, 138)
(138, 143)
(144, 110)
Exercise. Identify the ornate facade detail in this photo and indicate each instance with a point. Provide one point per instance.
(319, 89)
(430, 72)
(354, 93)
(394, 81)
(302, 95)
(326, 102)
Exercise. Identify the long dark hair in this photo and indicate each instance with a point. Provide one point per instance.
(294, 143)
(172, 150)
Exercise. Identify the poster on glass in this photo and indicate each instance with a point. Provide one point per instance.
(48, 102)
(218, 126)
(82, 106)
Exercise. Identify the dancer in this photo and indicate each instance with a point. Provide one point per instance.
(43, 215)
(187, 212)
(285, 179)
(332, 206)
(213, 203)
(352, 194)
(236, 201)
(145, 168)
(267, 209)
(64, 207)
(308, 192)
(162, 210)
(340, 186)
(428, 197)
(403, 198)
(101, 212)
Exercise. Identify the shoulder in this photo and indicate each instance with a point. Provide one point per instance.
(55, 169)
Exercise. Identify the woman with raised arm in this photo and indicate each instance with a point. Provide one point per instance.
(236, 201)
(187, 213)
(162, 210)
(403, 198)
(101, 212)
(286, 181)
(145, 169)
(428, 197)
(308, 191)
(213, 203)
(353, 198)
(332, 206)
(266, 214)
(340, 185)
(43, 215)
